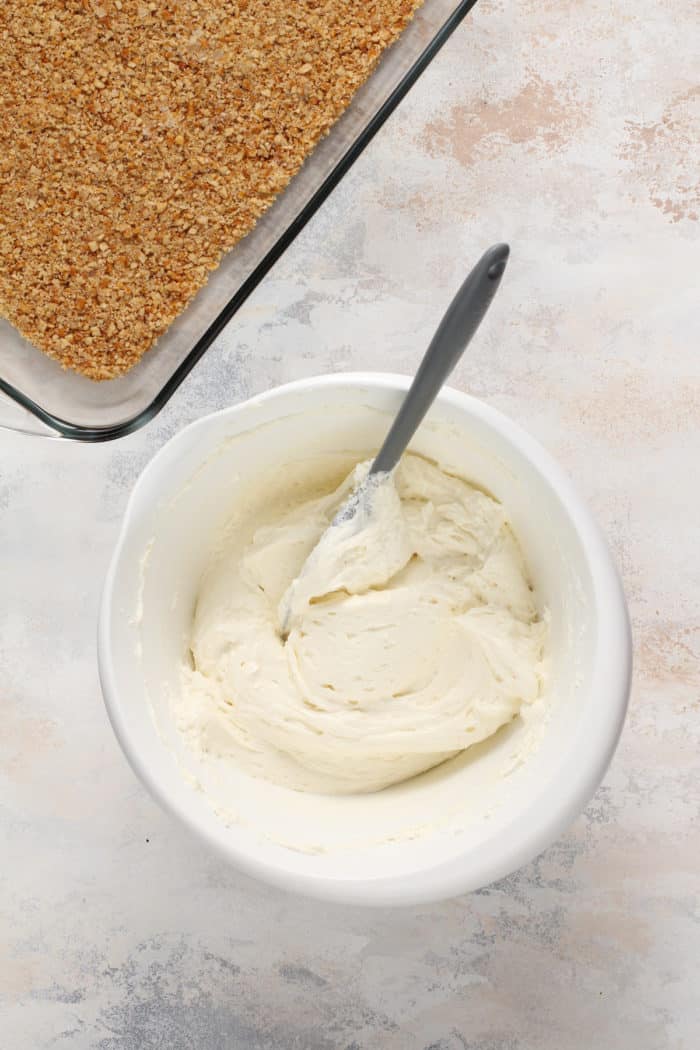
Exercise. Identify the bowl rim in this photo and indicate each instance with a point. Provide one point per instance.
(461, 873)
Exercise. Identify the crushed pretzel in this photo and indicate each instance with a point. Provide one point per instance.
(139, 142)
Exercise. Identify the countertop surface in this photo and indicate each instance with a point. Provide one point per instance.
(568, 130)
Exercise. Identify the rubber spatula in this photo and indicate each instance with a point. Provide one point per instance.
(464, 315)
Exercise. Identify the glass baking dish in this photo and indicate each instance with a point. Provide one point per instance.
(63, 403)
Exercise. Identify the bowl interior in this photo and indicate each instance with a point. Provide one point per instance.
(472, 818)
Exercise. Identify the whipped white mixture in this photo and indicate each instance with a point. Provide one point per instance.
(414, 634)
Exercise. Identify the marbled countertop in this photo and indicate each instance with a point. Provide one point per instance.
(567, 129)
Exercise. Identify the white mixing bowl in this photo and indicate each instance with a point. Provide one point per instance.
(453, 829)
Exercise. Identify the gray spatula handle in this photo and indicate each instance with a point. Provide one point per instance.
(464, 315)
